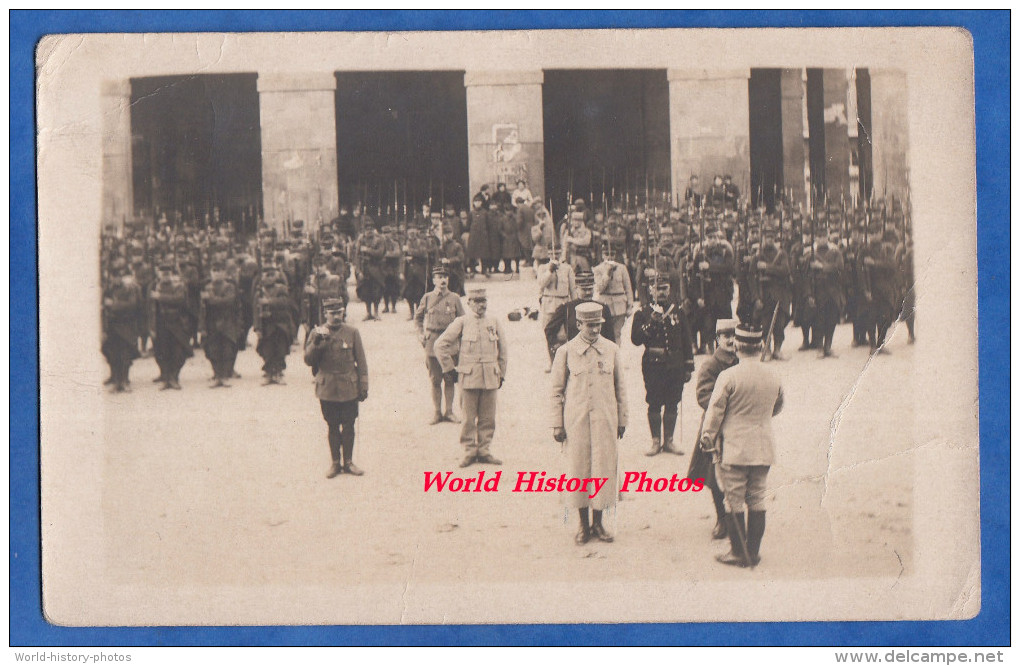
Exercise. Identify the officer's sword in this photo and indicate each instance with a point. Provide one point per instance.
(768, 337)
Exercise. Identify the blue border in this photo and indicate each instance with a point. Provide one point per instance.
(990, 31)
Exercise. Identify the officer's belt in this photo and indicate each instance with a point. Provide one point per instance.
(615, 293)
(656, 350)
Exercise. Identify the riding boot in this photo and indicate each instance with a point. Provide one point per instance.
(437, 405)
(669, 419)
(755, 531)
(736, 531)
(719, 531)
(584, 533)
(334, 452)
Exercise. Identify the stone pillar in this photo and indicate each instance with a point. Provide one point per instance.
(794, 142)
(506, 137)
(835, 85)
(889, 127)
(118, 186)
(709, 127)
(297, 112)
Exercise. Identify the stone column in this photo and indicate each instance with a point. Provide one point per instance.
(889, 127)
(118, 186)
(794, 143)
(506, 137)
(297, 112)
(708, 125)
(835, 86)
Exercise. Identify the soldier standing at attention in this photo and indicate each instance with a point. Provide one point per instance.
(482, 367)
(725, 356)
(556, 285)
(436, 312)
(337, 358)
(589, 415)
(171, 331)
(612, 282)
(667, 364)
(745, 398)
(276, 325)
(122, 310)
(221, 324)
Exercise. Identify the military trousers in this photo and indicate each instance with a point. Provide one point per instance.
(479, 420)
(742, 485)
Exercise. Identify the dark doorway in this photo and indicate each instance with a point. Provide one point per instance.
(815, 95)
(606, 136)
(765, 99)
(401, 140)
(864, 157)
(196, 148)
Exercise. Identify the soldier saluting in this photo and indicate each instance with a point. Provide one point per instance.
(337, 357)
(667, 363)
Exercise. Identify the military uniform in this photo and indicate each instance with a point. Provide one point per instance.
(744, 400)
(613, 289)
(435, 313)
(666, 365)
(277, 329)
(827, 275)
(371, 249)
(701, 460)
(481, 367)
(770, 283)
(588, 415)
(122, 319)
(337, 358)
(221, 330)
(171, 329)
(713, 286)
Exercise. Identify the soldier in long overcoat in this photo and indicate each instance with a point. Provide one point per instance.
(589, 415)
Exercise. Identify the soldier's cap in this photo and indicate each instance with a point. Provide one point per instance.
(711, 230)
(166, 265)
(521, 181)
(537, 202)
(333, 304)
(579, 202)
(337, 252)
(589, 313)
(387, 229)
(727, 177)
(298, 224)
(748, 335)
(440, 269)
(726, 326)
(577, 215)
(478, 293)
(585, 279)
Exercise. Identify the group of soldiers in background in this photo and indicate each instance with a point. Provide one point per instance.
(182, 284)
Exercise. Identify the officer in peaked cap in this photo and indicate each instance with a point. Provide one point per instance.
(482, 367)
(702, 466)
(589, 416)
(745, 399)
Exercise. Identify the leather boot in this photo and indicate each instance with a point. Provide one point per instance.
(719, 531)
(656, 447)
(735, 530)
(755, 531)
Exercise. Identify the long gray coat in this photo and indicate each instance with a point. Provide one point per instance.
(589, 401)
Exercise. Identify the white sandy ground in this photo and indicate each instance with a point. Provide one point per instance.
(206, 487)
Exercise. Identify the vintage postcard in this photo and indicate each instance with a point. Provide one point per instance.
(508, 327)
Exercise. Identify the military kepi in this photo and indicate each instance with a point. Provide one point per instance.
(333, 304)
(747, 335)
(726, 326)
(476, 293)
(589, 313)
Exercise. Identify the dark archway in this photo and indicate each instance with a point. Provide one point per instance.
(402, 140)
(196, 148)
(765, 102)
(606, 136)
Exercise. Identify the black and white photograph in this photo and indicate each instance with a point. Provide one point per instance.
(540, 326)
